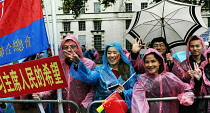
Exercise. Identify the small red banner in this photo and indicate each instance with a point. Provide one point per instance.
(31, 77)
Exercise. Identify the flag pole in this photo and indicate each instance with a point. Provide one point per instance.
(59, 91)
(49, 31)
(101, 108)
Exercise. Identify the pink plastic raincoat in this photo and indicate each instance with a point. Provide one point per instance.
(76, 90)
(186, 63)
(165, 84)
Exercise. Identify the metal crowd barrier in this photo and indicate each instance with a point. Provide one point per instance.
(43, 101)
(149, 99)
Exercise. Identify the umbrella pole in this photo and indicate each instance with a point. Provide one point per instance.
(163, 26)
(164, 33)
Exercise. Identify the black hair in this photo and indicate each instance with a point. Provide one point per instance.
(194, 38)
(160, 39)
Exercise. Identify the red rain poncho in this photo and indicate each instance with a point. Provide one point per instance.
(76, 90)
(165, 84)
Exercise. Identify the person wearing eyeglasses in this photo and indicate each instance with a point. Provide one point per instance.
(76, 90)
(163, 48)
(115, 70)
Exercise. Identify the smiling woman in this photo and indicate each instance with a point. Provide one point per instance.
(157, 82)
(116, 69)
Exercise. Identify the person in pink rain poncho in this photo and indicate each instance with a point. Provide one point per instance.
(156, 82)
(76, 90)
(195, 51)
(161, 45)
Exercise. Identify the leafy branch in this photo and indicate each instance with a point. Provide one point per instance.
(76, 5)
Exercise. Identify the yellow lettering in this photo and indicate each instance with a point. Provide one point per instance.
(18, 45)
(24, 81)
(47, 73)
(15, 81)
(8, 82)
(31, 78)
(2, 85)
(56, 72)
(39, 76)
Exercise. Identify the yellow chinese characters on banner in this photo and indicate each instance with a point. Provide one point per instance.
(30, 77)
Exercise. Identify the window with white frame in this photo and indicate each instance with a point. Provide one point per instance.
(82, 26)
(97, 7)
(97, 25)
(97, 42)
(66, 26)
(128, 7)
(82, 39)
(144, 5)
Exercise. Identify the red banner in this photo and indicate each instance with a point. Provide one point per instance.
(31, 77)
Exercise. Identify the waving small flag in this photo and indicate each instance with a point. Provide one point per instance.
(22, 29)
(114, 104)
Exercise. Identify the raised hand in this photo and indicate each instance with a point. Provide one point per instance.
(196, 72)
(73, 57)
(136, 45)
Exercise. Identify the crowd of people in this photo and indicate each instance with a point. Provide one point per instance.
(155, 75)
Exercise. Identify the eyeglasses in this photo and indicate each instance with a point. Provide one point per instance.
(65, 47)
(161, 45)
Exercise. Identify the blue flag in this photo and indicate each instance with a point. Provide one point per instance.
(22, 29)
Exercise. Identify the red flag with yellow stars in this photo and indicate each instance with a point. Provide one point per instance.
(115, 104)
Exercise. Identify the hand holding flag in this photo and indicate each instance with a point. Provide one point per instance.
(114, 103)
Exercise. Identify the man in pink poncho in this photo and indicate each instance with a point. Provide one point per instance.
(157, 83)
(76, 90)
(195, 54)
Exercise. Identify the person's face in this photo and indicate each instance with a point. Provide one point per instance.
(66, 46)
(113, 57)
(82, 47)
(160, 47)
(152, 64)
(196, 47)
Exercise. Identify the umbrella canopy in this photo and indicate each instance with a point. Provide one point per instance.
(175, 21)
(180, 56)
